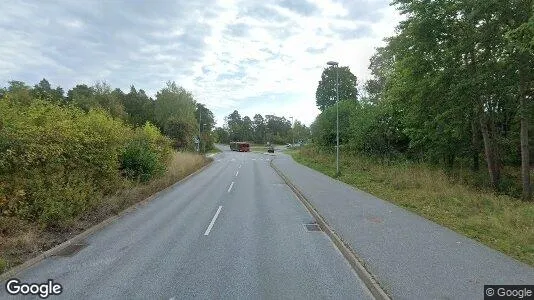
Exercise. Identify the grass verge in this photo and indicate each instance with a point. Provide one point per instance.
(214, 150)
(498, 221)
(21, 240)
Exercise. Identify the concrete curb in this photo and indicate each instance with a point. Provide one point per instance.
(354, 260)
(80, 237)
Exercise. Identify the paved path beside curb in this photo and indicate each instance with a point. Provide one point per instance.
(412, 257)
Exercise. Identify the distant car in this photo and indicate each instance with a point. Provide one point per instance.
(270, 149)
(288, 146)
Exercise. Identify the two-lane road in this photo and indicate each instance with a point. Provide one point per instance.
(234, 230)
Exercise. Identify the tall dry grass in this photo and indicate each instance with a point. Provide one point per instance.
(499, 221)
(181, 165)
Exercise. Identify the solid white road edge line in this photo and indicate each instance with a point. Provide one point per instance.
(213, 221)
(230, 188)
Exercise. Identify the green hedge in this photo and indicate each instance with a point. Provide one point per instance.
(57, 162)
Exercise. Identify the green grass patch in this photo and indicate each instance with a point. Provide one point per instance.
(501, 222)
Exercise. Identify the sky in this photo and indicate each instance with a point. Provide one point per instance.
(253, 56)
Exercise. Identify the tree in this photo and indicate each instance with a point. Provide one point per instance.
(174, 113)
(109, 100)
(277, 129)
(82, 96)
(207, 117)
(138, 106)
(521, 41)
(381, 66)
(300, 132)
(234, 124)
(19, 92)
(247, 129)
(258, 125)
(207, 123)
(44, 91)
(221, 135)
(325, 94)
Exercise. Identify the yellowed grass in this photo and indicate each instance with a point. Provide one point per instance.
(499, 221)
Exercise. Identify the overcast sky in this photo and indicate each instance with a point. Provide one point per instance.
(254, 56)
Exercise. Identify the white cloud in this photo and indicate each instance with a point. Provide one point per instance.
(254, 56)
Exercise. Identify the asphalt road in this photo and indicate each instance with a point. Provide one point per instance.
(234, 230)
(410, 256)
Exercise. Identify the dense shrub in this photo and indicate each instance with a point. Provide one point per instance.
(56, 162)
(146, 154)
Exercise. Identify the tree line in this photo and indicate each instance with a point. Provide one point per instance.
(261, 129)
(60, 154)
(174, 110)
(453, 87)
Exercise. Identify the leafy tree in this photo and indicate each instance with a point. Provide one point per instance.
(174, 112)
(109, 100)
(82, 96)
(277, 129)
(234, 123)
(44, 91)
(300, 132)
(221, 135)
(259, 128)
(207, 117)
(207, 123)
(247, 129)
(19, 92)
(138, 106)
(521, 44)
(325, 94)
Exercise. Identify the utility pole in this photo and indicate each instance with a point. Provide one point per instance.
(292, 131)
(335, 65)
(199, 125)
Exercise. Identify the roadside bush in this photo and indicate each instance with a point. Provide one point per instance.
(145, 156)
(56, 162)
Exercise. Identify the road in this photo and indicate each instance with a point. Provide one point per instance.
(235, 230)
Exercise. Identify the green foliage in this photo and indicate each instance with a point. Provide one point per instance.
(221, 135)
(145, 156)
(60, 156)
(43, 90)
(300, 132)
(261, 130)
(499, 221)
(138, 106)
(234, 123)
(325, 95)
(206, 121)
(55, 161)
(174, 113)
(446, 89)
